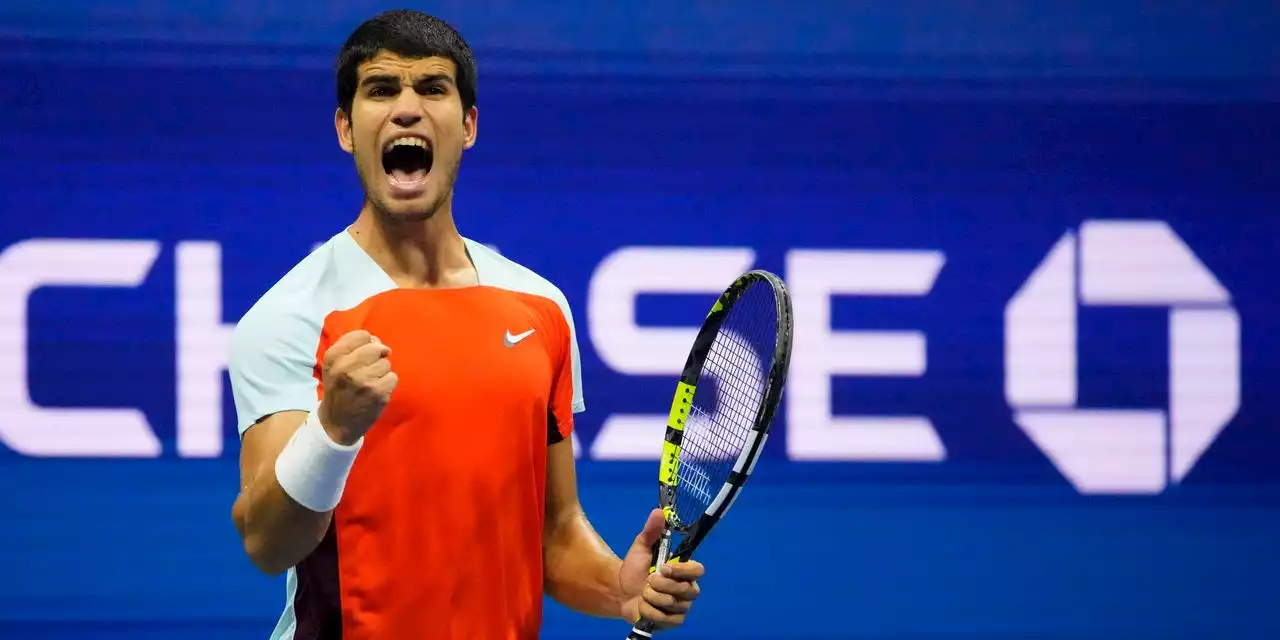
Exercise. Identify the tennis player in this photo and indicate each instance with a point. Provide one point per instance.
(405, 396)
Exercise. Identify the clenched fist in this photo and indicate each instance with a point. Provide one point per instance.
(358, 382)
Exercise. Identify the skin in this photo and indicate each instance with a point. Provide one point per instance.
(411, 234)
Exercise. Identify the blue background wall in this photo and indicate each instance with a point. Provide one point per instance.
(984, 131)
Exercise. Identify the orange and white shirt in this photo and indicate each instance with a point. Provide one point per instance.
(439, 532)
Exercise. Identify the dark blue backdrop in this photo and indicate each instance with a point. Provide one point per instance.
(981, 135)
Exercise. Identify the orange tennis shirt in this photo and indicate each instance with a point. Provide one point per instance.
(439, 531)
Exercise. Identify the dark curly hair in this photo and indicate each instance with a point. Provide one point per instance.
(411, 34)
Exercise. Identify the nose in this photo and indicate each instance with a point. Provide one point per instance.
(408, 109)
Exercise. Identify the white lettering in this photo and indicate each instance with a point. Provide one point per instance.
(202, 345)
(33, 430)
(818, 353)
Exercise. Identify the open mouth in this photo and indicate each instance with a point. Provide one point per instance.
(407, 161)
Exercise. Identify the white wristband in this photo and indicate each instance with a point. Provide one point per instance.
(312, 468)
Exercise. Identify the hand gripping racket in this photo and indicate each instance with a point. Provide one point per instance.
(721, 413)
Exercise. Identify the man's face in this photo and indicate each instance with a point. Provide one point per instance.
(407, 131)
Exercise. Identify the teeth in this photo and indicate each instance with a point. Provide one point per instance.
(408, 142)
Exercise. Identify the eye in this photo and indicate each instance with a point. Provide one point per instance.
(435, 90)
(381, 91)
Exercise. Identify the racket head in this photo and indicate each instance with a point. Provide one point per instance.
(724, 405)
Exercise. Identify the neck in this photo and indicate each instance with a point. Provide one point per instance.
(418, 253)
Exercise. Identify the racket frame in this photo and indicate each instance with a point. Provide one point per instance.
(682, 403)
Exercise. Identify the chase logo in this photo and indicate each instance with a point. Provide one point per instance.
(1122, 264)
(1099, 450)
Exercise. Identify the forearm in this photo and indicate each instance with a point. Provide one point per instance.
(278, 532)
(286, 505)
(581, 571)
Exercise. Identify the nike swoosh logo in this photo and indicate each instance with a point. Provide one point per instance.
(511, 340)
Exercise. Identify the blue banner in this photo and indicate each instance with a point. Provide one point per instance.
(1032, 392)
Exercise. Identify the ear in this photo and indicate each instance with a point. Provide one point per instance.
(470, 125)
(342, 124)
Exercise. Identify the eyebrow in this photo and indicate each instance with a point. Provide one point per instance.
(393, 79)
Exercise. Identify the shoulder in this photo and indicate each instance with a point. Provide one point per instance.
(290, 315)
(497, 270)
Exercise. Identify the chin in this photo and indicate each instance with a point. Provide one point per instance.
(416, 210)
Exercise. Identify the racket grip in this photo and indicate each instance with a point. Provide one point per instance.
(642, 631)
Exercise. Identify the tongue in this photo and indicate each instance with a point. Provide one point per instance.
(408, 176)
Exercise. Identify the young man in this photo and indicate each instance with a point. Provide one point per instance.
(406, 396)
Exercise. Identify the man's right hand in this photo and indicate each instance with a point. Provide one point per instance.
(358, 382)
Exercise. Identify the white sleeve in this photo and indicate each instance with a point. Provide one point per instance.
(579, 403)
(272, 364)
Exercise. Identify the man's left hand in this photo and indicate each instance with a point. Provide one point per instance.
(663, 597)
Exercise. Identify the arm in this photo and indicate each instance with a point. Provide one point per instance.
(272, 381)
(294, 464)
(580, 571)
(277, 531)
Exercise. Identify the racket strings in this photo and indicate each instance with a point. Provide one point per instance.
(727, 401)
(694, 474)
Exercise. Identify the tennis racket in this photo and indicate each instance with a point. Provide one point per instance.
(721, 413)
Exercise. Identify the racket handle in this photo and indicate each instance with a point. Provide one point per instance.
(642, 631)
